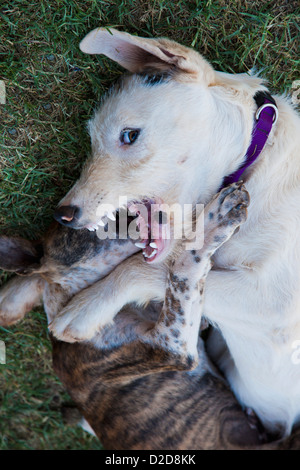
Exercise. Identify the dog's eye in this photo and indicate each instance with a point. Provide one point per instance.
(129, 136)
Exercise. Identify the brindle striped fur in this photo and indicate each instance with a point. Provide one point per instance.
(134, 381)
(162, 411)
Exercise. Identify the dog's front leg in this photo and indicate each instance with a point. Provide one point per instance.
(96, 306)
(177, 328)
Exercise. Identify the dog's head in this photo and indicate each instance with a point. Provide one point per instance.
(167, 134)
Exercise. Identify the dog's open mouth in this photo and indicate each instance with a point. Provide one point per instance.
(153, 226)
(146, 224)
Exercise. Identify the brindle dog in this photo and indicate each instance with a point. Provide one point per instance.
(144, 381)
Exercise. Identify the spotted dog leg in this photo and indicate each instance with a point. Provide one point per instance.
(177, 328)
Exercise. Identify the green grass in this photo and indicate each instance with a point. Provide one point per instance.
(52, 89)
(31, 397)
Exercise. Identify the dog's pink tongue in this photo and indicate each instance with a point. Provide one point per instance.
(153, 232)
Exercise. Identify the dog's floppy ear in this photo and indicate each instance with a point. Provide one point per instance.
(19, 255)
(143, 54)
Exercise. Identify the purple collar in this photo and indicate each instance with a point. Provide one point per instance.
(265, 117)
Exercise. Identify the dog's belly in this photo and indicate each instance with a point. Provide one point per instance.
(264, 374)
(255, 301)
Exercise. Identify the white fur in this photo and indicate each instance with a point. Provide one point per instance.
(195, 131)
(256, 300)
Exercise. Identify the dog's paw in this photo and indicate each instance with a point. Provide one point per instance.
(7, 318)
(85, 315)
(225, 213)
(18, 297)
(70, 333)
(10, 313)
(72, 325)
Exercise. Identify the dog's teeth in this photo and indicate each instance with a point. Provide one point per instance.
(140, 244)
(91, 229)
(111, 216)
(153, 245)
(145, 254)
(152, 254)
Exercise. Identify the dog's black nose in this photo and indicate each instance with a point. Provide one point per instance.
(67, 215)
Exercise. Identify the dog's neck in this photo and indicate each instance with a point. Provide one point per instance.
(272, 181)
(223, 138)
(249, 149)
(277, 168)
(265, 117)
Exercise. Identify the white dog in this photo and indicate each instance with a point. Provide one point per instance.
(171, 132)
